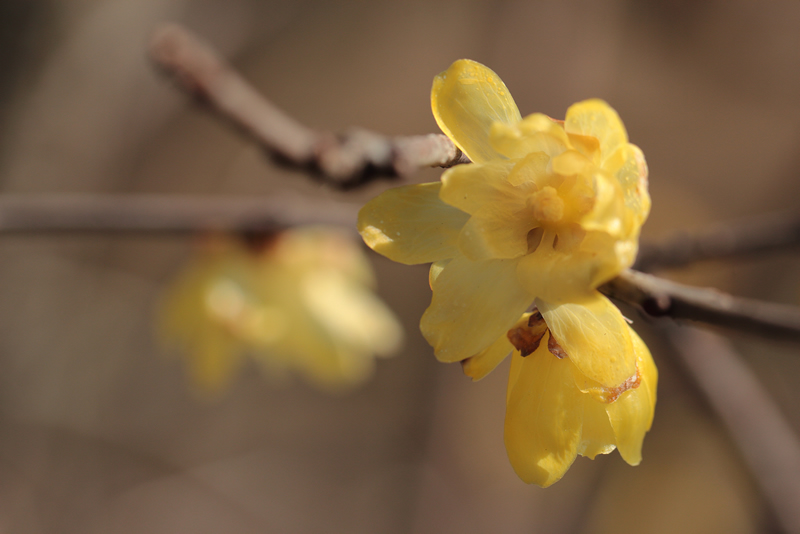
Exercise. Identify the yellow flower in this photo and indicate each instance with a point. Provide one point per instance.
(300, 302)
(547, 212)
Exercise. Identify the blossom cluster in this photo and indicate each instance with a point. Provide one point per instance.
(300, 301)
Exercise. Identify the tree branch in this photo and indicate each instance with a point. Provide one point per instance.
(765, 439)
(658, 297)
(751, 236)
(345, 161)
(96, 213)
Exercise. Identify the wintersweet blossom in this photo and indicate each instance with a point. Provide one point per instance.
(301, 301)
(547, 212)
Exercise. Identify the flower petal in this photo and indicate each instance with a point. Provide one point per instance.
(471, 187)
(494, 232)
(595, 336)
(535, 133)
(628, 166)
(543, 417)
(483, 363)
(597, 119)
(632, 414)
(556, 275)
(466, 99)
(411, 224)
(474, 302)
(597, 435)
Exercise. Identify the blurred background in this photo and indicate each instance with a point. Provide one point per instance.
(99, 431)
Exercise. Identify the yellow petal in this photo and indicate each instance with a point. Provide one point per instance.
(466, 99)
(535, 133)
(471, 187)
(557, 275)
(595, 336)
(474, 303)
(608, 212)
(495, 232)
(597, 435)
(597, 119)
(632, 413)
(543, 417)
(628, 166)
(530, 171)
(436, 269)
(483, 363)
(411, 224)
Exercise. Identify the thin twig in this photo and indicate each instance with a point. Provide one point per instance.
(765, 439)
(96, 213)
(658, 297)
(345, 161)
(745, 237)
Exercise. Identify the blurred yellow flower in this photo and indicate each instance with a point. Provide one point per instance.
(301, 302)
(547, 212)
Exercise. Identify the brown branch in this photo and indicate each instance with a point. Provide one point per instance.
(658, 297)
(345, 161)
(30, 214)
(765, 439)
(745, 237)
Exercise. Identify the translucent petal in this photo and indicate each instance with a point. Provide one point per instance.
(596, 337)
(597, 119)
(536, 133)
(436, 269)
(587, 145)
(496, 231)
(411, 224)
(556, 276)
(474, 303)
(471, 187)
(484, 362)
(571, 162)
(632, 413)
(543, 418)
(530, 171)
(466, 99)
(628, 166)
(597, 436)
(608, 212)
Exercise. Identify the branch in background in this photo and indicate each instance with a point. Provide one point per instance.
(658, 297)
(159, 214)
(345, 161)
(27, 214)
(766, 441)
(752, 236)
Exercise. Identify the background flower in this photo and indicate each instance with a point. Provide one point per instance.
(300, 301)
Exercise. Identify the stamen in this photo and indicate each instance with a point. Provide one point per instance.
(547, 205)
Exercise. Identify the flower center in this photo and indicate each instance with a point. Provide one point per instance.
(547, 206)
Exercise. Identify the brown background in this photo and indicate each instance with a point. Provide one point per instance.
(98, 429)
